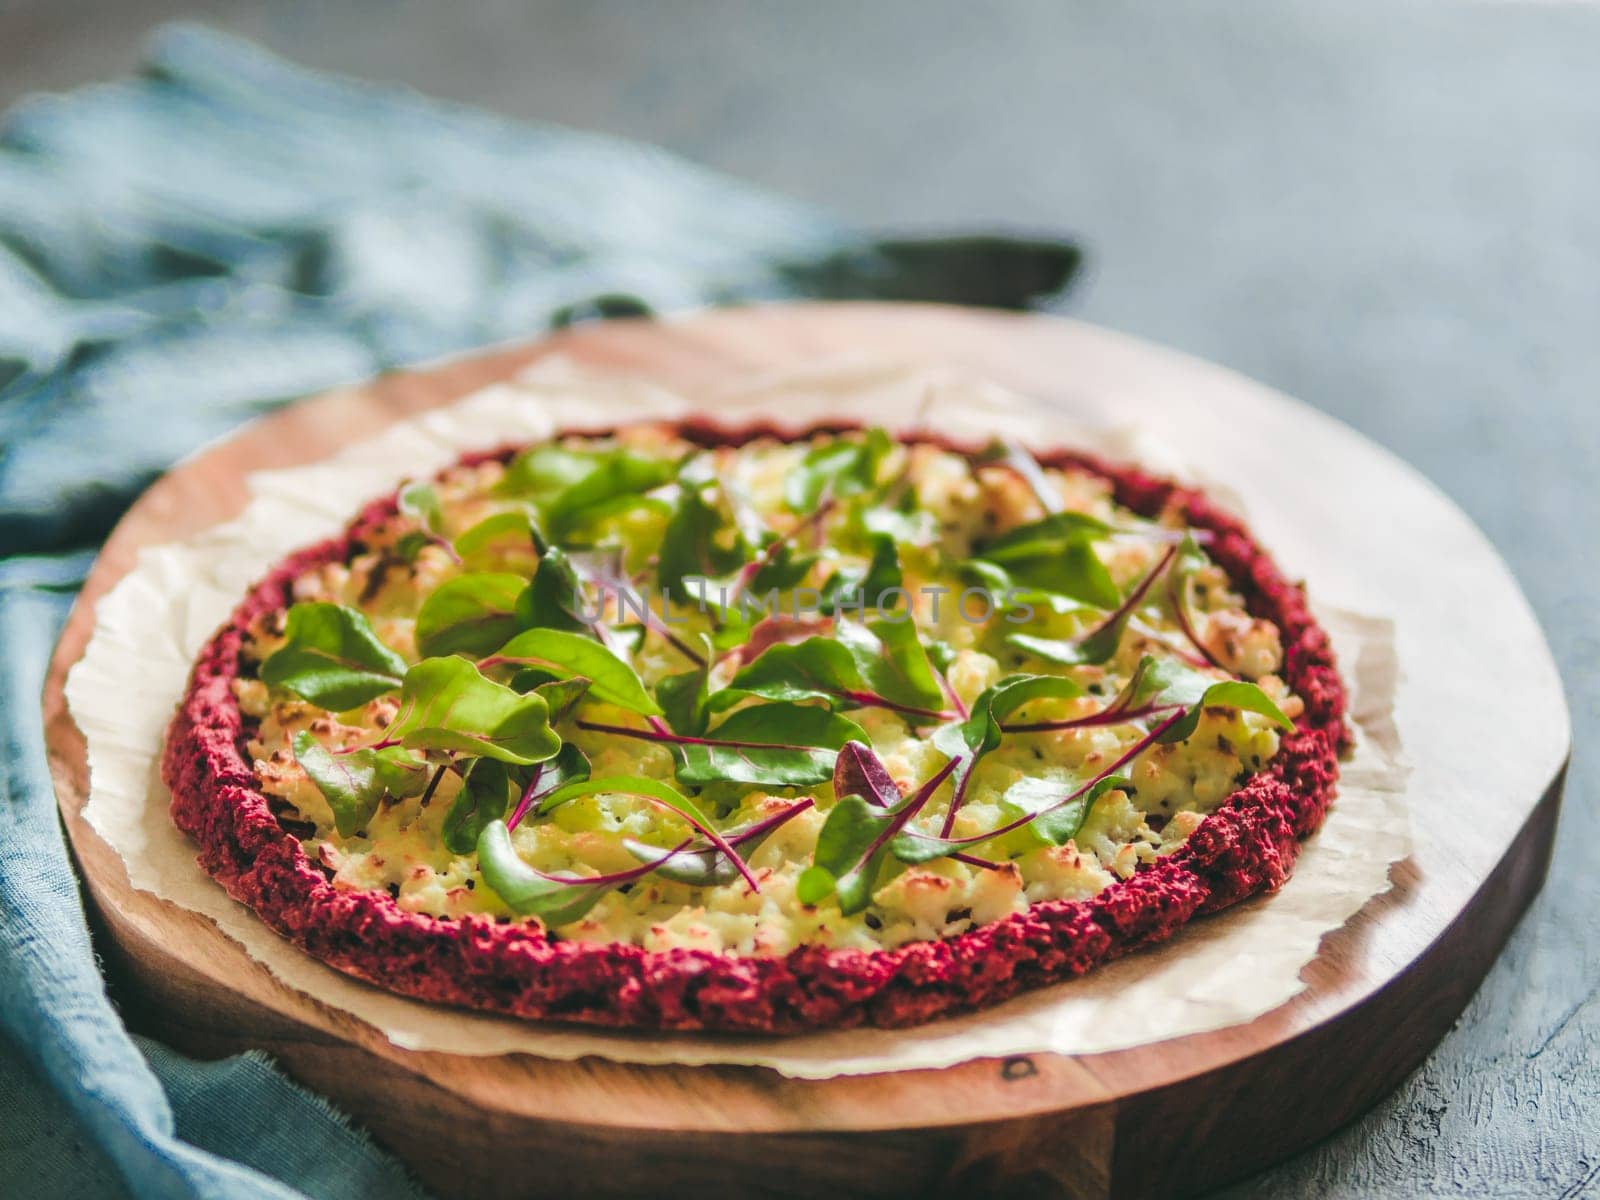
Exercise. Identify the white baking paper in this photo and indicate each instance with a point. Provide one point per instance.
(1216, 972)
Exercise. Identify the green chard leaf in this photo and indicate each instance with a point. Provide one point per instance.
(1027, 539)
(704, 865)
(893, 662)
(818, 668)
(773, 745)
(1176, 694)
(841, 865)
(571, 655)
(1101, 643)
(448, 704)
(353, 783)
(1229, 693)
(784, 570)
(1069, 652)
(471, 614)
(981, 732)
(486, 792)
(527, 892)
(554, 599)
(899, 519)
(1056, 554)
(1190, 558)
(685, 699)
(542, 472)
(615, 485)
(1055, 825)
(561, 900)
(568, 766)
(663, 794)
(332, 658)
(855, 841)
(561, 696)
(1168, 684)
(883, 663)
(420, 501)
(838, 467)
(701, 542)
(503, 535)
(881, 574)
(660, 794)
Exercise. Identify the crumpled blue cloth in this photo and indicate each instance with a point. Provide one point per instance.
(184, 250)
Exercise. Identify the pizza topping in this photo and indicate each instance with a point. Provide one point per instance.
(844, 691)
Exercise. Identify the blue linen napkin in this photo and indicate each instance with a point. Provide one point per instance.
(184, 250)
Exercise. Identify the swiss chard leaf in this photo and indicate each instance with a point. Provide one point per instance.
(685, 698)
(1056, 554)
(881, 574)
(1101, 643)
(332, 658)
(701, 867)
(841, 865)
(697, 867)
(544, 471)
(1069, 652)
(1229, 693)
(448, 704)
(895, 515)
(353, 783)
(853, 844)
(553, 600)
(485, 793)
(837, 467)
(626, 785)
(1056, 822)
(980, 733)
(1047, 531)
(568, 766)
(615, 482)
(817, 668)
(783, 569)
(560, 695)
(1190, 559)
(705, 865)
(420, 501)
(893, 662)
(527, 892)
(499, 536)
(700, 542)
(657, 793)
(1167, 683)
(471, 614)
(774, 745)
(860, 772)
(571, 655)
(881, 664)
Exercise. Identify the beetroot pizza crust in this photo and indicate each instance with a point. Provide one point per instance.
(1248, 845)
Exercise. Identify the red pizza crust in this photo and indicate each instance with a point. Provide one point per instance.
(1247, 845)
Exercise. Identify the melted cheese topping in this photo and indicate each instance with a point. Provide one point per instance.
(955, 505)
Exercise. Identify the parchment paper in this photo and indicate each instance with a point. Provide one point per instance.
(1218, 971)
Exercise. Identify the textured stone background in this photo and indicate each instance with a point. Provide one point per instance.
(1389, 210)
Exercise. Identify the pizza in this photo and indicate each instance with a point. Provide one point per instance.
(682, 726)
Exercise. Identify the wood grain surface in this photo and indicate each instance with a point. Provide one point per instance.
(1171, 1119)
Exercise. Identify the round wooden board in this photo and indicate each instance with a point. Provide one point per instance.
(1173, 1118)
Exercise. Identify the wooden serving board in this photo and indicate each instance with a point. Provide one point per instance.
(1166, 1119)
